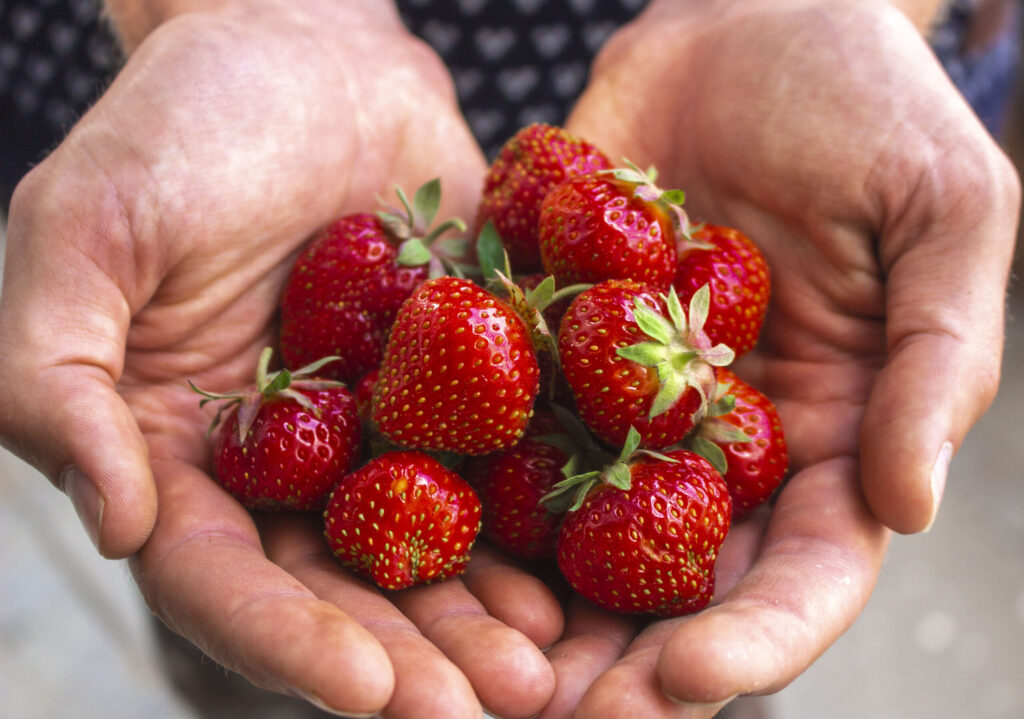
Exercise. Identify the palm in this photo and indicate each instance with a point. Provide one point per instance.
(203, 216)
(792, 125)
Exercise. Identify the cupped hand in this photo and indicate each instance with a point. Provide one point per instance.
(150, 248)
(829, 134)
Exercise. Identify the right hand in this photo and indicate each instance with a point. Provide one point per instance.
(151, 248)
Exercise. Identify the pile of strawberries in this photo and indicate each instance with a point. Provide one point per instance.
(561, 383)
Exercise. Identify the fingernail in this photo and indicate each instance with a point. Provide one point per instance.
(323, 706)
(86, 499)
(938, 480)
(697, 705)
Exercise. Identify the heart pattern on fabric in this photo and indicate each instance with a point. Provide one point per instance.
(514, 62)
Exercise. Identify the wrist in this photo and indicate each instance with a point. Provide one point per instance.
(134, 20)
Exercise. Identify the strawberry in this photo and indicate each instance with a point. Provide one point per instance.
(512, 482)
(742, 437)
(633, 358)
(611, 225)
(363, 394)
(736, 272)
(403, 519)
(642, 536)
(459, 372)
(347, 285)
(529, 165)
(286, 441)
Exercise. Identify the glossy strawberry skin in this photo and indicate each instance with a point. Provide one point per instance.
(342, 296)
(459, 373)
(403, 519)
(652, 548)
(737, 274)
(511, 483)
(592, 228)
(530, 164)
(613, 393)
(291, 457)
(755, 468)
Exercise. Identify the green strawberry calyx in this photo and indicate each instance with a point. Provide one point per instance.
(678, 348)
(671, 201)
(528, 304)
(421, 245)
(568, 495)
(277, 384)
(714, 431)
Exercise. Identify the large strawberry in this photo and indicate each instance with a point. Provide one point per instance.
(732, 266)
(742, 437)
(633, 357)
(459, 373)
(286, 441)
(348, 283)
(512, 482)
(611, 225)
(403, 519)
(529, 165)
(642, 536)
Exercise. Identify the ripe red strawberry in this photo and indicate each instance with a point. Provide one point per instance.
(403, 519)
(286, 441)
(459, 372)
(529, 165)
(633, 358)
(736, 272)
(512, 482)
(347, 285)
(363, 394)
(611, 225)
(644, 535)
(742, 437)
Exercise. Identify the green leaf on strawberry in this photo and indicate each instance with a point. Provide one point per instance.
(678, 349)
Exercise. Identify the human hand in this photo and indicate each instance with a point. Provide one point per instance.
(151, 248)
(828, 133)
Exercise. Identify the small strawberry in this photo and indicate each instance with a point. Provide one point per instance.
(611, 225)
(459, 373)
(642, 536)
(633, 358)
(403, 519)
(529, 165)
(737, 274)
(286, 441)
(347, 285)
(512, 482)
(363, 394)
(743, 439)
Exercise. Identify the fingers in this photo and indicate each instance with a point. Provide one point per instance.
(821, 555)
(204, 573)
(426, 682)
(62, 327)
(947, 259)
(518, 598)
(594, 640)
(445, 648)
(507, 670)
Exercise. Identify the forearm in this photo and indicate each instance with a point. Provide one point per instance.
(135, 19)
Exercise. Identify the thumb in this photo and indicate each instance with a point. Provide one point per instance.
(947, 262)
(63, 322)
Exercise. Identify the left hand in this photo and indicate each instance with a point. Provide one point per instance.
(829, 134)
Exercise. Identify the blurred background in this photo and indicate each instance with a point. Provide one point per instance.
(942, 637)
